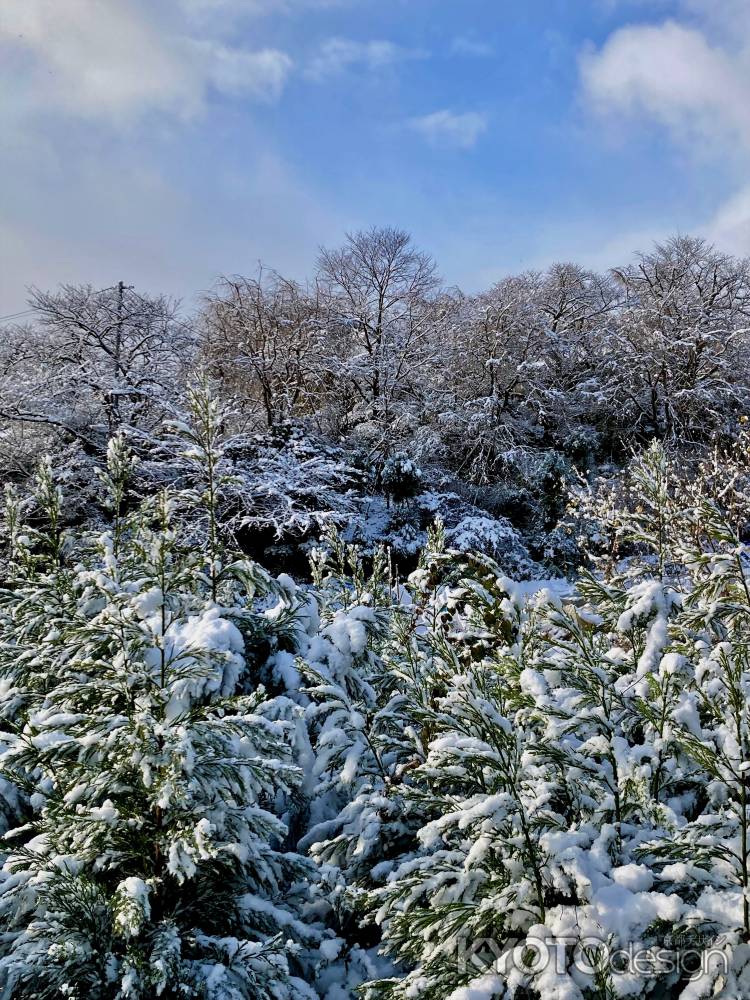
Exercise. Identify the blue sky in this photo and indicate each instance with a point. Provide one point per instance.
(166, 141)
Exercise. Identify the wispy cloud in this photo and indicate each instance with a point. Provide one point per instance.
(336, 55)
(729, 226)
(449, 129)
(238, 73)
(465, 46)
(207, 11)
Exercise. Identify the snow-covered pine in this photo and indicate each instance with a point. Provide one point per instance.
(373, 745)
(353, 713)
(705, 861)
(153, 861)
(200, 440)
(36, 596)
(474, 775)
(474, 868)
(575, 778)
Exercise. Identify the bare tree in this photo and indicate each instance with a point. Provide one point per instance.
(680, 360)
(263, 338)
(379, 289)
(101, 359)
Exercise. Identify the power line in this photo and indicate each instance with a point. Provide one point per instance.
(120, 287)
(24, 312)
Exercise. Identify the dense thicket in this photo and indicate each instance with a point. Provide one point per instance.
(216, 783)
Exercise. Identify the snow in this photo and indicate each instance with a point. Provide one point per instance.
(550, 588)
(133, 905)
(106, 813)
(330, 948)
(487, 987)
(205, 634)
(444, 754)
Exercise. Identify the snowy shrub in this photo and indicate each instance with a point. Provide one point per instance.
(293, 488)
(582, 445)
(497, 538)
(401, 478)
(275, 493)
(562, 551)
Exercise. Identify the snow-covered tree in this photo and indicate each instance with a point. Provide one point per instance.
(264, 339)
(549, 800)
(677, 366)
(378, 288)
(154, 861)
(111, 357)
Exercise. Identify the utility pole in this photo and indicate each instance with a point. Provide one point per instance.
(117, 357)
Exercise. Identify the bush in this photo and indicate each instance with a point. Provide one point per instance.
(401, 478)
(496, 537)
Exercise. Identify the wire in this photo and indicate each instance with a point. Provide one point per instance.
(24, 312)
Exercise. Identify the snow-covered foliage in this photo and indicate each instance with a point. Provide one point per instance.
(95, 361)
(372, 381)
(404, 528)
(401, 477)
(154, 776)
(274, 490)
(548, 799)
(436, 782)
(292, 485)
(497, 538)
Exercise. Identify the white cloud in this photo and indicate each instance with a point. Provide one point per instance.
(119, 59)
(238, 73)
(94, 58)
(447, 128)
(729, 227)
(691, 76)
(463, 46)
(673, 74)
(336, 55)
(127, 215)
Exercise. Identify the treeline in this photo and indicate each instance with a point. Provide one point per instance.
(374, 351)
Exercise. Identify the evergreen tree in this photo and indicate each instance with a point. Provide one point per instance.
(575, 775)
(154, 861)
